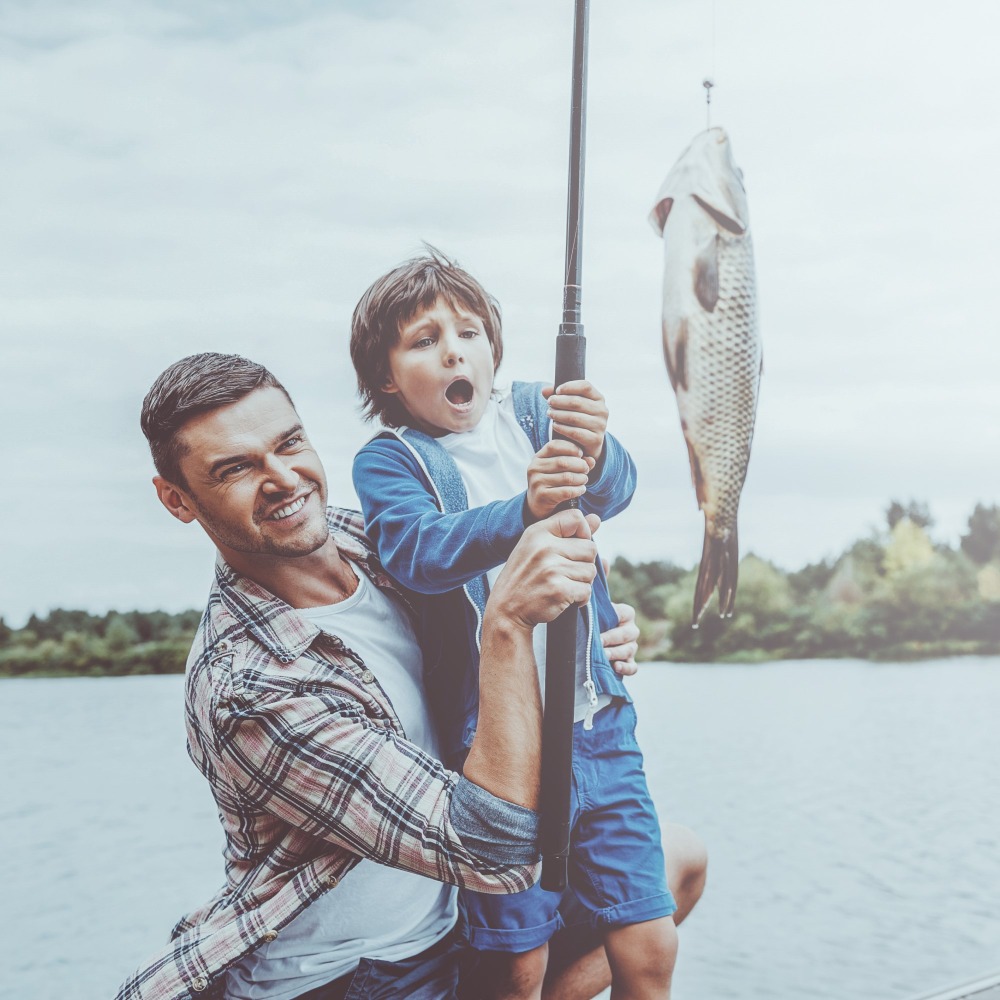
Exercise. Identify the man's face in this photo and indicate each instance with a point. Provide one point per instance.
(254, 481)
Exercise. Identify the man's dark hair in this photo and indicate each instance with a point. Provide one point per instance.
(395, 299)
(193, 385)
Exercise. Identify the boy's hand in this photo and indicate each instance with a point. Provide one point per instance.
(578, 412)
(622, 642)
(557, 473)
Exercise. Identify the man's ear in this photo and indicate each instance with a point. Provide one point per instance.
(389, 385)
(174, 499)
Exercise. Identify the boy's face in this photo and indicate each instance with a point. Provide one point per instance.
(441, 368)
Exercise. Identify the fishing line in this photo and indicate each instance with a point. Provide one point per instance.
(709, 82)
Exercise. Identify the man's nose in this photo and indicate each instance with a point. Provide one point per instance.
(281, 478)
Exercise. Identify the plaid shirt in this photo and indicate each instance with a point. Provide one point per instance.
(311, 771)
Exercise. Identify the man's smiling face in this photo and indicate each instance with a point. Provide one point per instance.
(252, 479)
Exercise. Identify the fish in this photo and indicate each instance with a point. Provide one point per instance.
(711, 343)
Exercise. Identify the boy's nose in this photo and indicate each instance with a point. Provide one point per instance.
(452, 354)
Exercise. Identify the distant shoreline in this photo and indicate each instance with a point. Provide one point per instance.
(893, 596)
(925, 653)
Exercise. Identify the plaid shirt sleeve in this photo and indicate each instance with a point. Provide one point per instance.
(313, 758)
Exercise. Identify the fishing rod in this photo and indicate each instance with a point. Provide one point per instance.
(560, 655)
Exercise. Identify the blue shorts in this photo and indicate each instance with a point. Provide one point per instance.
(616, 865)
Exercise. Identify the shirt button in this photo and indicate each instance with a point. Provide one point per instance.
(269, 935)
(368, 677)
(222, 647)
(199, 984)
(331, 880)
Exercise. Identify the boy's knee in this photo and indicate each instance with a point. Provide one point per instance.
(687, 866)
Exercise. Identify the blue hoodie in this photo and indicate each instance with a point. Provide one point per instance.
(417, 515)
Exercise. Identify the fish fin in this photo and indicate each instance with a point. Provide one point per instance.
(720, 563)
(706, 275)
(658, 216)
(677, 365)
(730, 221)
(728, 576)
(696, 477)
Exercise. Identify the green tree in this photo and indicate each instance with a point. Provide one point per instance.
(982, 543)
(119, 634)
(919, 513)
(909, 547)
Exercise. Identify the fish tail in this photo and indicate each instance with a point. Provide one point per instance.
(720, 564)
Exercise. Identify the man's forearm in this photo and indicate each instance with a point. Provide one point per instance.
(506, 753)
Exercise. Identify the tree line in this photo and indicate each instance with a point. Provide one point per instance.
(896, 594)
(79, 644)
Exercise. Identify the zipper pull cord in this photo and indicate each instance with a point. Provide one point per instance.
(591, 689)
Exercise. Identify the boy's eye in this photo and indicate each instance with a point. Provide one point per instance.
(470, 333)
(424, 342)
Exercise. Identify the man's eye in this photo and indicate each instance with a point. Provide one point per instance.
(296, 439)
(234, 470)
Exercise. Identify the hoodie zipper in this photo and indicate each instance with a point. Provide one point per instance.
(588, 684)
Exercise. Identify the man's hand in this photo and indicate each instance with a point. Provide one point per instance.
(557, 473)
(578, 412)
(551, 567)
(622, 642)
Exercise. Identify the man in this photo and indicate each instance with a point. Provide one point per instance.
(304, 684)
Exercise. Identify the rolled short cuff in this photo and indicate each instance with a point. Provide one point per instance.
(492, 828)
(634, 911)
(513, 940)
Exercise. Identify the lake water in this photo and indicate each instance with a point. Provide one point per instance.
(851, 810)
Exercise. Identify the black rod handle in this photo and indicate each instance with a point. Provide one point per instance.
(560, 679)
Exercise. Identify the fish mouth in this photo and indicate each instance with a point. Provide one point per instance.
(460, 392)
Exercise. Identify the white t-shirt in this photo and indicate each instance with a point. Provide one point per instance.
(330, 937)
(493, 459)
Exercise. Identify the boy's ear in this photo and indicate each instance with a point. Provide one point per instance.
(389, 385)
(174, 499)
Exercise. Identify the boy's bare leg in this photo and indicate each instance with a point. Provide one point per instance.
(687, 863)
(515, 976)
(642, 959)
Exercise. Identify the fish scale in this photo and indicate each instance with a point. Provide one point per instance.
(721, 415)
(711, 342)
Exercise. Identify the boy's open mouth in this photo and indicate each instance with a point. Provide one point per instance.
(460, 391)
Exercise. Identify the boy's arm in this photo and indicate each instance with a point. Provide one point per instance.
(424, 549)
(612, 481)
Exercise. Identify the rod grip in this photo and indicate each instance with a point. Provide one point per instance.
(571, 353)
(560, 678)
(557, 747)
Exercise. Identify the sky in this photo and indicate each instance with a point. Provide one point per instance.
(187, 176)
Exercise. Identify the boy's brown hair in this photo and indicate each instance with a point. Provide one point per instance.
(395, 299)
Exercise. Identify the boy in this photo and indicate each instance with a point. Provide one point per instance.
(443, 495)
